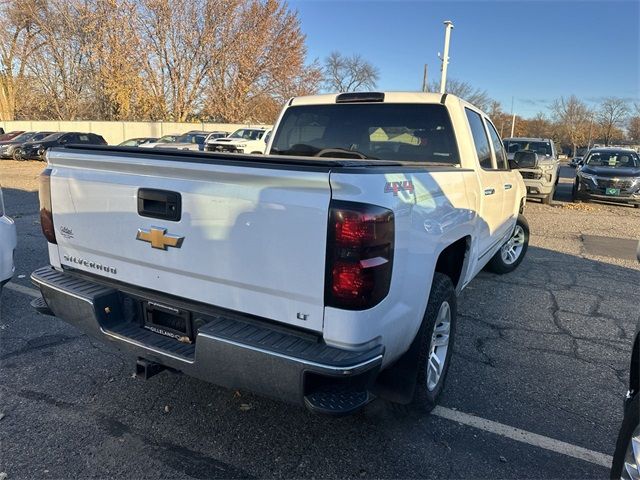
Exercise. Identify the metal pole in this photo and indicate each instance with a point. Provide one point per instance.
(513, 119)
(590, 126)
(425, 86)
(448, 26)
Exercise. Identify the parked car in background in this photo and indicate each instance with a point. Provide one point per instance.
(8, 148)
(243, 140)
(193, 140)
(611, 174)
(214, 136)
(10, 136)
(542, 179)
(576, 161)
(8, 242)
(35, 150)
(136, 142)
(164, 139)
(626, 459)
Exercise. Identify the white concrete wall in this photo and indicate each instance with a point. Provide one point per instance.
(116, 132)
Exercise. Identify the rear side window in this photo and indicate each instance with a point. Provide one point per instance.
(385, 131)
(480, 139)
(498, 147)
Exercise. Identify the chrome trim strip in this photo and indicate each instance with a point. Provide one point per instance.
(293, 359)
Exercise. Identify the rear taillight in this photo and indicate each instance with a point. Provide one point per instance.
(359, 255)
(46, 216)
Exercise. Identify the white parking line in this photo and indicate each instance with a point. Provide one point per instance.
(523, 436)
(32, 292)
(512, 433)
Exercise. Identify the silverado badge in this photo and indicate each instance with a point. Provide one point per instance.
(158, 238)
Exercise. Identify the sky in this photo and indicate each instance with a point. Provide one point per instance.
(533, 51)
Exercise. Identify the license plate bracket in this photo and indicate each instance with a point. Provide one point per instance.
(612, 191)
(168, 321)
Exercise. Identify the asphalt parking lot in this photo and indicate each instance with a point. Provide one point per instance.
(541, 358)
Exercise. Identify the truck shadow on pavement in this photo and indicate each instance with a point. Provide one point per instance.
(544, 349)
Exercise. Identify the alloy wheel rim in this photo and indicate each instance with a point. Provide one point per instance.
(512, 250)
(439, 346)
(631, 466)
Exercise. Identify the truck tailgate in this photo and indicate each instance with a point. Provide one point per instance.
(253, 238)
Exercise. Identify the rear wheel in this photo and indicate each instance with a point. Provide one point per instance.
(18, 154)
(513, 251)
(436, 343)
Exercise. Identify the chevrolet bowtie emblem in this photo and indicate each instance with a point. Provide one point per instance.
(158, 238)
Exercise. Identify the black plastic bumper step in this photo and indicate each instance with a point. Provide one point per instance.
(337, 400)
(40, 306)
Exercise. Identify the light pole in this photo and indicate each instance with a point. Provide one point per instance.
(448, 26)
(513, 119)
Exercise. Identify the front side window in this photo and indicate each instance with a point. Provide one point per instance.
(498, 147)
(480, 139)
(385, 131)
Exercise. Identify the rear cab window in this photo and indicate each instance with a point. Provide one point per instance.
(420, 133)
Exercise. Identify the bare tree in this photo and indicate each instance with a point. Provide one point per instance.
(17, 42)
(633, 128)
(349, 73)
(259, 63)
(573, 118)
(610, 117)
(476, 96)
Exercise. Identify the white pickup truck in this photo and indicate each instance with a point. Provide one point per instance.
(325, 273)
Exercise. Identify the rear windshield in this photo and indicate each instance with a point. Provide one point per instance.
(541, 148)
(385, 131)
(613, 160)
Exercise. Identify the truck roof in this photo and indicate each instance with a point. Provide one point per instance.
(387, 97)
(529, 139)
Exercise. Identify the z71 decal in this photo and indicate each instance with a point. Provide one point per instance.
(395, 187)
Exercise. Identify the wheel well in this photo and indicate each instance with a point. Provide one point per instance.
(451, 259)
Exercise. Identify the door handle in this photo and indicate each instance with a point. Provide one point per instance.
(161, 204)
(489, 191)
(507, 186)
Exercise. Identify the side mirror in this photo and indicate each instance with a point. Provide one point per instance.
(267, 137)
(525, 159)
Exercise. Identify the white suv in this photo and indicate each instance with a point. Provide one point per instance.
(243, 140)
(8, 242)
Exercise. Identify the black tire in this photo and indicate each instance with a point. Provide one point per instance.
(497, 264)
(442, 290)
(636, 205)
(574, 194)
(17, 155)
(547, 200)
(629, 424)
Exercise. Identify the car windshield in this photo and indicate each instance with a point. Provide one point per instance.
(402, 132)
(23, 137)
(49, 137)
(40, 136)
(541, 148)
(613, 160)
(190, 138)
(247, 134)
